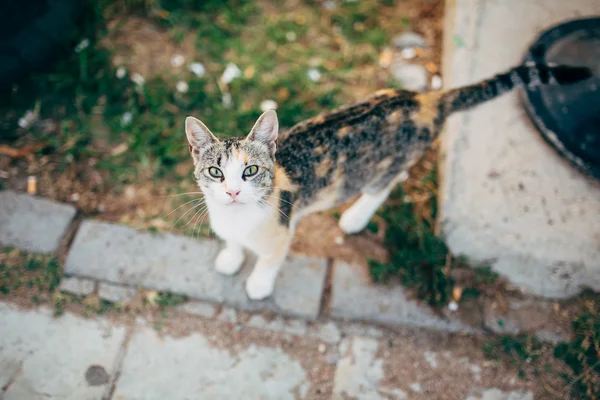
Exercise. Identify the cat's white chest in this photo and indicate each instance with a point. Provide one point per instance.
(236, 223)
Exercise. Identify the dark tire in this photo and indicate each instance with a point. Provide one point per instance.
(33, 34)
(568, 117)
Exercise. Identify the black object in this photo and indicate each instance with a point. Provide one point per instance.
(33, 33)
(568, 116)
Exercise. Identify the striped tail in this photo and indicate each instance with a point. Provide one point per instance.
(530, 75)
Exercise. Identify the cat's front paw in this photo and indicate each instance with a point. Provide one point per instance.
(229, 261)
(259, 287)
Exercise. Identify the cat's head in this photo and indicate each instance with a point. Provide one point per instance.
(234, 171)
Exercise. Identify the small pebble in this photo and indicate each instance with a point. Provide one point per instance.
(330, 5)
(227, 100)
(291, 36)
(408, 53)
(75, 197)
(230, 73)
(27, 119)
(198, 69)
(411, 76)
(121, 72)
(322, 348)
(268, 105)
(339, 240)
(314, 74)
(182, 87)
(138, 79)
(415, 387)
(453, 306)
(69, 158)
(409, 39)
(126, 118)
(84, 44)
(436, 82)
(101, 208)
(177, 60)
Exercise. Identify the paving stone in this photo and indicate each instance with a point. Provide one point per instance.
(360, 372)
(179, 264)
(497, 394)
(507, 196)
(193, 368)
(296, 327)
(327, 332)
(49, 358)
(524, 316)
(199, 308)
(277, 324)
(228, 314)
(77, 286)
(115, 293)
(31, 223)
(357, 329)
(354, 298)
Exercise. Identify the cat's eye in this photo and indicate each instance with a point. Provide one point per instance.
(215, 172)
(250, 171)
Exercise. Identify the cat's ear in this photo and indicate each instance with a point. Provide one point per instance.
(265, 130)
(198, 136)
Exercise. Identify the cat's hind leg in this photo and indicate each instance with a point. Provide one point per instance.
(230, 259)
(356, 218)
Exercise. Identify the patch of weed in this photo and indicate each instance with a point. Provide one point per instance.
(582, 354)
(518, 350)
(419, 258)
(168, 299)
(41, 273)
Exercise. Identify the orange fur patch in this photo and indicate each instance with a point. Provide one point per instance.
(343, 132)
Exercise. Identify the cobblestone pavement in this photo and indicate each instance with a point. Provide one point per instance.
(317, 338)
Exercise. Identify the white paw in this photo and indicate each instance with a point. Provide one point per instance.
(352, 221)
(259, 286)
(229, 261)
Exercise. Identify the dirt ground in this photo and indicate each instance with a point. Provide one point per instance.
(150, 203)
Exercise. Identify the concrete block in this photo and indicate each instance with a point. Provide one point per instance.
(115, 293)
(199, 308)
(31, 223)
(68, 358)
(506, 197)
(179, 264)
(193, 367)
(353, 297)
(77, 286)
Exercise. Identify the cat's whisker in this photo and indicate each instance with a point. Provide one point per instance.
(201, 220)
(184, 214)
(204, 208)
(276, 208)
(187, 202)
(181, 194)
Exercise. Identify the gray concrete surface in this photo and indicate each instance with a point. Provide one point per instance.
(115, 293)
(193, 367)
(77, 286)
(353, 298)
(46, 358)
(506, 197)
(119, 254)
(31, 223)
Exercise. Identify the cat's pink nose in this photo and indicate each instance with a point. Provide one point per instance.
(233, 193)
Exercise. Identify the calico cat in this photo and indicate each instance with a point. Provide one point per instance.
(258, 187)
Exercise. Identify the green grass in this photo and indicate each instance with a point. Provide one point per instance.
(38, 273)
(88, 101)
(418, 257)
(582, 354)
